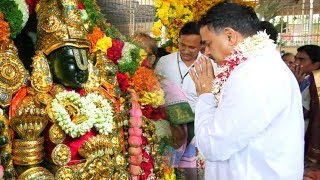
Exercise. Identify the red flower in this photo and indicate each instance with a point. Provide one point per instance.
(114, 52)
(146, 63)
(123, 80)
(32, 5)
(154, 114)
(80, 5)
(144, 141)
(146, 166)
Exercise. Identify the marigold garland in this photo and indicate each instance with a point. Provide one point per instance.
(145, 80)
(94, 37)
(4, 31)
(154, 98)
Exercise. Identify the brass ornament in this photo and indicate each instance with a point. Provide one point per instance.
(56, 134)
(97, 168)
(12, 73)
(65, 173)
(43, 98)
(57, 89)
(29, 121)
(41, 79)
(107, 68)
(27, 143)
(61, 155)
(28, 160)
(60, 24)
(93, 83)
(28, 152)
(36, 173)
(96, 146)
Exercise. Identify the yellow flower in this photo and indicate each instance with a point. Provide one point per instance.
(158, 3)
(156, 29)
(175, 13)
(103, 44)
(143, 55)
(153, 98)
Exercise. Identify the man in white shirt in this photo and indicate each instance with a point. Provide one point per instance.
(175, 67)
(249, 121)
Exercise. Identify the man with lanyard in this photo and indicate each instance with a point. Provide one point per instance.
(175, 68)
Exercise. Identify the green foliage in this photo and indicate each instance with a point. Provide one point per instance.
(12, 15)
(132, 65)
(96, 18)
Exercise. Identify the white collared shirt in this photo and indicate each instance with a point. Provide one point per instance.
(168, 66)
(257, 131)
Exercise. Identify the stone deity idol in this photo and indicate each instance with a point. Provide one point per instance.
(64, 121)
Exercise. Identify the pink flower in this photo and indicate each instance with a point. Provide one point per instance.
(135, 141)
(135, 122)
(1, 171)
(134, 131)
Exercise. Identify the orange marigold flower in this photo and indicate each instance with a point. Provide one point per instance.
(94, 37)
(145, 80)
(4, 30)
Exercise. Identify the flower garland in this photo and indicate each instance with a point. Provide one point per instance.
(4, 31)
(114, 52)
(96, 18)
(103, 113)
(92, 109)
(130, 59)
(238, 55)
(146, 84)
(23, 7)
(12, 15)
(172, 15)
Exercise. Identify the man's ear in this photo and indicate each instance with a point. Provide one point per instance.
(232, 36)
(316, 65)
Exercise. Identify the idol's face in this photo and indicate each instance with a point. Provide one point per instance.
(69, 66)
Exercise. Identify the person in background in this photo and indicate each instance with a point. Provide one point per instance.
(175, 68)
(249, 121)
(306, 70)
(147, 43)
(288, 58)
(270, 30)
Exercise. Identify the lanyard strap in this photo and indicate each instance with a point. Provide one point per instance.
(185, 75)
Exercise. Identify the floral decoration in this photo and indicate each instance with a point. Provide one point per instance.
(114, 52)
(238, 55)
(154, 113)
(123, 80)
(24, 8)
(12, 15)
(130, 59)
(31, 5)
(171, 15)
(147, 85)
(76, 115)
(4, 31)
(96, 18)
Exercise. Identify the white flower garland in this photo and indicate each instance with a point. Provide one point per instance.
(238, 55)
(126, 52)
(103, 115)
(23, 7)
(100, 117)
